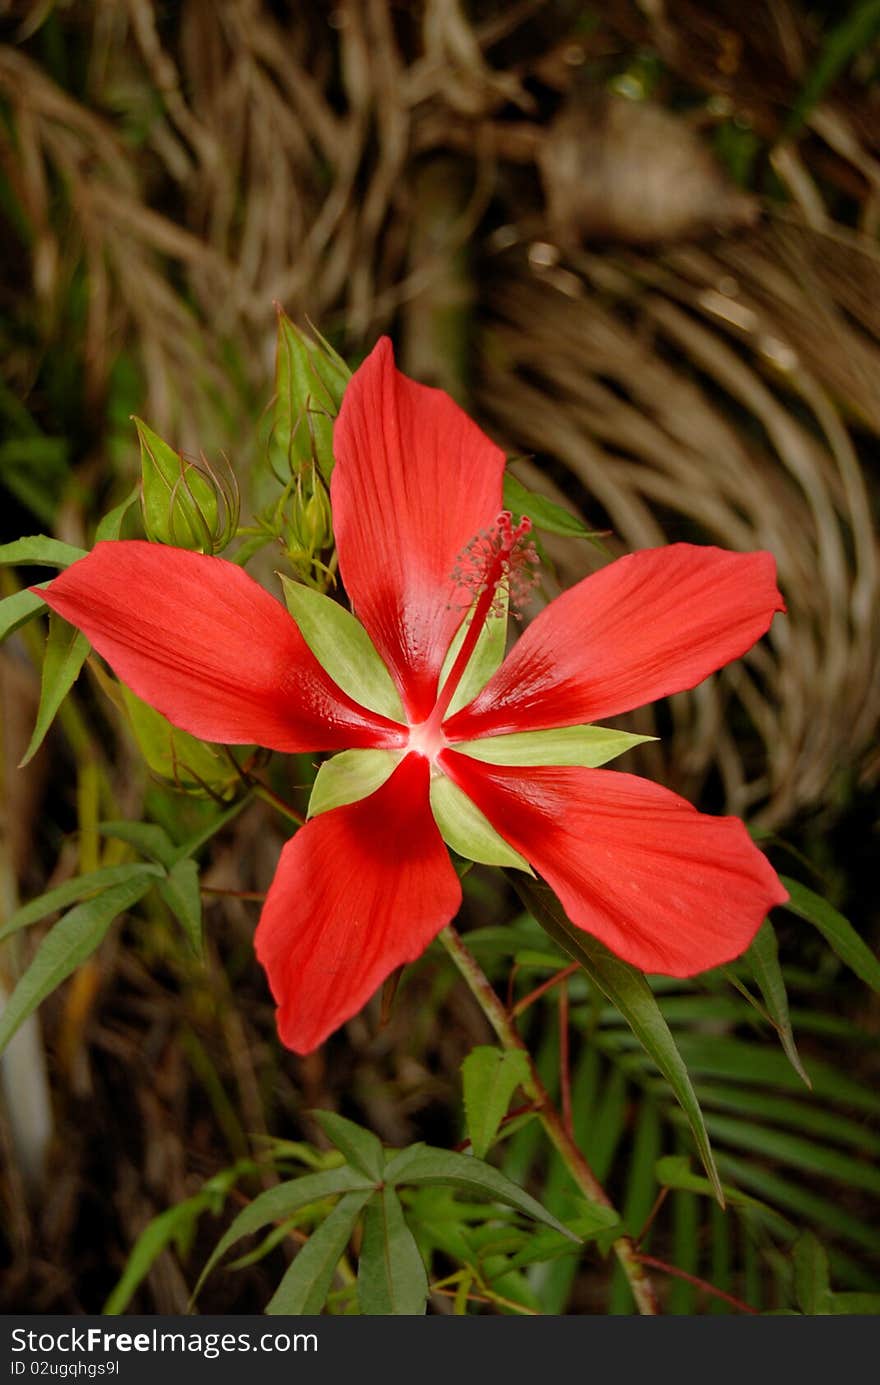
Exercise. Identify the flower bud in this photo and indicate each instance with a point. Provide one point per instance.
(310, 380)
(185, 503)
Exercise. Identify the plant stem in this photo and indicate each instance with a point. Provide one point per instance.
(501, 1022)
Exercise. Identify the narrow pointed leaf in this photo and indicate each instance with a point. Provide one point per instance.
(812, 1281)
(361, 1148)
(94, 882)
(545, 514)
(629, 991)
(391, 1272)
(281, 1202)
(421, 1164)
(40, 551)
(468, 831)
(110, 526)
(148, 838)
(568, 745)
(763, 958)
(180, 891)
(490, 1076)
(837, 931)
(72, 940)
(306, 1284)
(156, 1237)
(342, 646)
(66, 652)
(16, 610)
(350, 776)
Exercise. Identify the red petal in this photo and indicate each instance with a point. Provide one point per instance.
(665, 887)
(414, 482)
(204, 644)
(358, 891)
(650, 624)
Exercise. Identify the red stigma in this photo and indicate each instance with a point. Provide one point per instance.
(503, 559)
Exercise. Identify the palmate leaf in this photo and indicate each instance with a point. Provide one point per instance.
(629, 991)
(361, 1148)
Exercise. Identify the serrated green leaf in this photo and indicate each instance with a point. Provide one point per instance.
(342, 646)
(837, 931)
(545, 514)
(486, 658)
(763, 958)
(172, 753)
(629, 991)
(110, 527)
(147, 838)
(360, 1147)
(307, 1282)
(40, 551)
(421, 1164)
(92, 883)
(468, 831)
(566, 745)
(490, 1076)
(391, 1272)
(66, 652)
(350, 776)
(65, 947)
(276, 1204)
(812, 1280)
(592, 1223)
(180, 891)
(17, 609)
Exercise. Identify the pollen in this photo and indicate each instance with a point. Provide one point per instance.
(501, 559)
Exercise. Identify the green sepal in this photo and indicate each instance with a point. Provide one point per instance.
(351, 776)
(342, 646)
(486, 658)
(310, 380)
(587, 746)
(468, 831)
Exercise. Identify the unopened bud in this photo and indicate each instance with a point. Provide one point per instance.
(185, 503)
(310, 380)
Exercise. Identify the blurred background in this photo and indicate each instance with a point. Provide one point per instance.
(637, 240)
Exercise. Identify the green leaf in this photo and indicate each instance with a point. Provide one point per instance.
(342, 646)
(147, 838)
(360, 1147)
(545, 514)
(310, 380)
(486, 658)
(181, 893)
(276, 1204)
(593, 1223)
(172, 753)
(852, 1303)
(784, 1147)
(110, 527)
(812, 1282)
(567, 745)
(66, 652)
(351, 776)
(490, 1076)
(421, 1164)
(307, 1282)
(40, 551)
(674, 1171)
(69, 943)
(94, 882)
(169, 1226)
(468, 831)
(837, 931)
(763, 958)
(17, 609)
(391, 1272)
(629, 991)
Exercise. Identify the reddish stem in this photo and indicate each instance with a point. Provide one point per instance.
(704, 1284)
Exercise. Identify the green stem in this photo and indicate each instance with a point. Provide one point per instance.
(554, 1126)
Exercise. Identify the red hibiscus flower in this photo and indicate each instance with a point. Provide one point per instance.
(508, 772)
